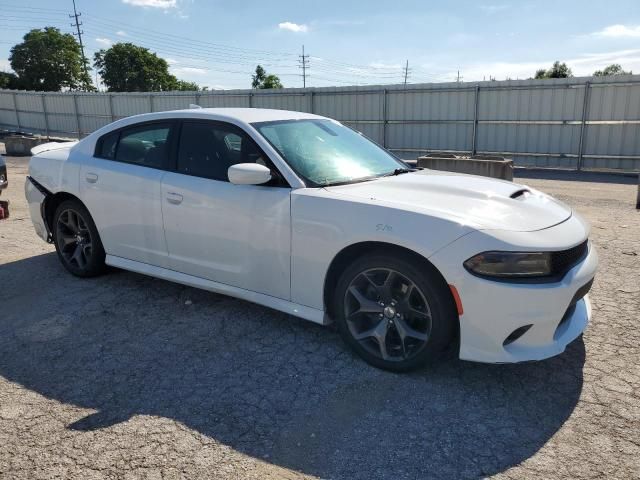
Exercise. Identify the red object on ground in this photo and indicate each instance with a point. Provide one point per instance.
(4, 210)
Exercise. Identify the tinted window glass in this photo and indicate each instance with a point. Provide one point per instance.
(107, 146)
(145, 145)
(209, 149)
(325, 152)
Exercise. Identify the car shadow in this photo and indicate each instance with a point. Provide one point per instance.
(266, 384)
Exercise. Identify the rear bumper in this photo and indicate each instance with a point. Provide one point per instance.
(35, 198)
(496, 314)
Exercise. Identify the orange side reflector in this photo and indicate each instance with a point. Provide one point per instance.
(456, 297)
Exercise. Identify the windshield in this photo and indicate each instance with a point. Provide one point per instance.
(325, 152)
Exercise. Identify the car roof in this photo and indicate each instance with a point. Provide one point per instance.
(246, 115)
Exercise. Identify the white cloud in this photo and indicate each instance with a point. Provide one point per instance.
(189, 71)
(104, 41)
(194, 70)
(172, 61)
(5, 66)
(491, 9)
(584, 65)
(385, 65)
(122, 33)
(161, 4)
(619, 31)
(293, 27)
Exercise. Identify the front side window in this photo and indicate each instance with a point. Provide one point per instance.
(208, 149)
(144, 145)
(326, 152)
(107, 146)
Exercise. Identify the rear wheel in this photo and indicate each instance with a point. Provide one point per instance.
(396, 314)
(77, 241)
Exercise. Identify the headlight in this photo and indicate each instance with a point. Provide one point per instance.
(510, 264)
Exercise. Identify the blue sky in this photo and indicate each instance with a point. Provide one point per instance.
(218, 42)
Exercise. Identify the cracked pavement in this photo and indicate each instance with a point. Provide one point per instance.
(125, 376)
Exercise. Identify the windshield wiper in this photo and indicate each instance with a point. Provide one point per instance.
(398, 171)
(347, 182)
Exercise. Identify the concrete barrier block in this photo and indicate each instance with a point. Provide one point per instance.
(20, 145)
(494, 167)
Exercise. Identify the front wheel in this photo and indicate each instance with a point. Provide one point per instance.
(77, 241)
(395, 313)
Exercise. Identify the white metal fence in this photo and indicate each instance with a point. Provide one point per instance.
(575, 123)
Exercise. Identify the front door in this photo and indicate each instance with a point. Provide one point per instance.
(238, 235)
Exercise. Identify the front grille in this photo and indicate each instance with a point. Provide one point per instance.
(565, 260)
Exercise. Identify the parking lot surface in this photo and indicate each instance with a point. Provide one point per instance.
(126, 376)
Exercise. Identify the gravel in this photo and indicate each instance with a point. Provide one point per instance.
(126, 376)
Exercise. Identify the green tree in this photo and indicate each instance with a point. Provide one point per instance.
(271, 81)
(126, 67)
(613, 69)
(261, 80)
(48, 60)
(558, 70)
(9, 81)
(185, 86)
(258, 79)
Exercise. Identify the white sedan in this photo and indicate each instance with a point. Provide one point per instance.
(304, 215)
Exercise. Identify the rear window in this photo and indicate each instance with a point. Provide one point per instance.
(144, 145)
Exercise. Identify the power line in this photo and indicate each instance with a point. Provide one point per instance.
(304, 64)
(211, 54)
(79, 33)
(406, 72)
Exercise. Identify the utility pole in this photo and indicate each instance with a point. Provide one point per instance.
(406, 72)
(459, 78)
(304, 64)
(79, 33)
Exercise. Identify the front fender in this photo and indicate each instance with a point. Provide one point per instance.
(322, 226)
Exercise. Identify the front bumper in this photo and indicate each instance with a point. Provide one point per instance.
(555, 313)
(4, 181)
(35, 198)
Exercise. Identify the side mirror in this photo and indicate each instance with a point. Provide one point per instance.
(248, 174)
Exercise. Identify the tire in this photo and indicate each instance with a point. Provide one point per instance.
(77, 240)
(393, 298)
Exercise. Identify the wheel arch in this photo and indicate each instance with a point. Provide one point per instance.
(51, 204)
(350, 253)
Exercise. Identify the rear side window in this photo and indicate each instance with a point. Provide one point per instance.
(107, 146)
(208, 149)
(145, 145)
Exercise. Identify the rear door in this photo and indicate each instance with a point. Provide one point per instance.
(238, 235)
(121, 187)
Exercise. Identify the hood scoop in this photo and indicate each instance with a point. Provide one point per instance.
(522, 193)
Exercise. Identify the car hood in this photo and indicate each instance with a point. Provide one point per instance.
(483, 202)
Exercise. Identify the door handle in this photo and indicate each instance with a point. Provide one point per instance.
(174, 198)
(91, 177)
